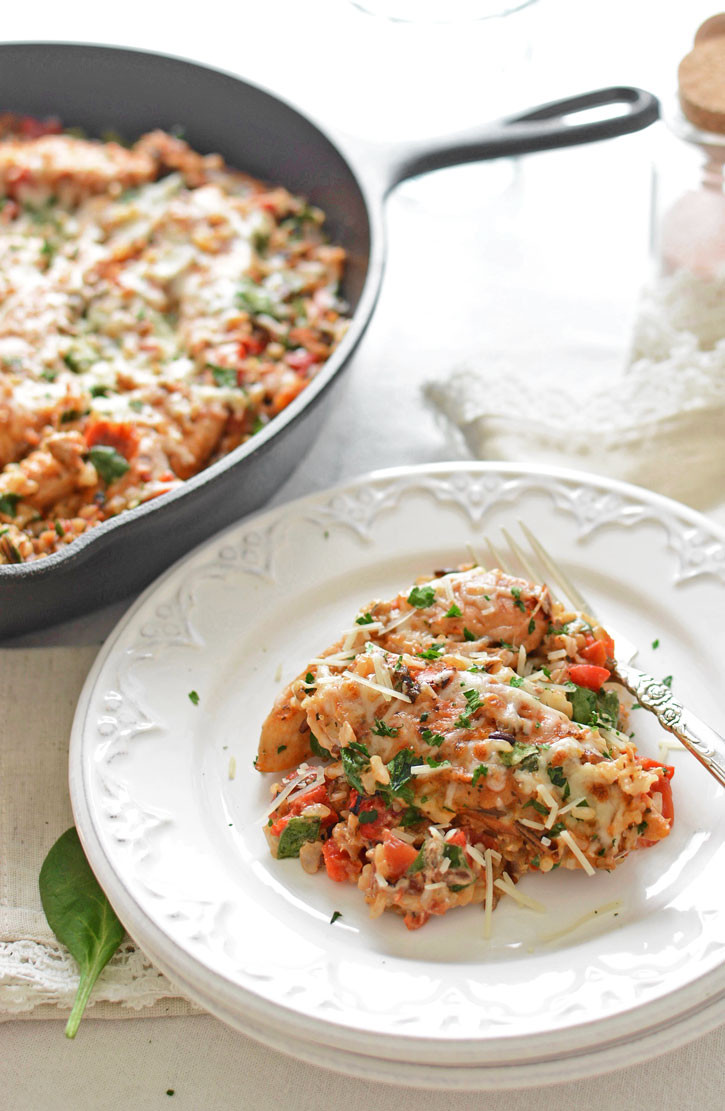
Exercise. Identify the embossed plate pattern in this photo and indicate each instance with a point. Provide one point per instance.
(168, 804)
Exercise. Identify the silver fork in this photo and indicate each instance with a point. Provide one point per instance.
(697, 737)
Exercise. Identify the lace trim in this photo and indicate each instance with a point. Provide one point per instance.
(32, 974)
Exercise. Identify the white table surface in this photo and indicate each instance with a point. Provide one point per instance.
(475, 254)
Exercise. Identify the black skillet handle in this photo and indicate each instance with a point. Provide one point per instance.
(542, 128)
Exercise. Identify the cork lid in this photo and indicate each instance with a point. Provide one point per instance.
(701, 77)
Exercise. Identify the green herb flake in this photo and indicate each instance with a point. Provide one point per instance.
(281, 748)
(537, 806)
(355, 759)
(317, 749)
(366, 619)
(255, 300)
(335, 915)
(667, 681)
(433, 763)
(109, 465)
(656, 643)
(422, 597)
(468, 635)
(80, 916)
(557, 777)
(521, 755)
(556, 829)
(295, 834)
(8, 504)
(433, 653)
(532, 625)
(479, 773)
(516, 681)
(59, 530)
(367, 817)
(516, 593)
(194, 697)
(431, 738)
(224, 376)
(418, 864)
(454, 853)
(454, 611)
(380, 729)
(641, 828)
(399, 772)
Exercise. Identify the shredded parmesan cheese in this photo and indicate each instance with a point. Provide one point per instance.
(506, 885)
(567, 838)
(387, 692)
(304, 774)
(488, 908)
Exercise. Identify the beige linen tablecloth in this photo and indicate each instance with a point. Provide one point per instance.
(39, 688)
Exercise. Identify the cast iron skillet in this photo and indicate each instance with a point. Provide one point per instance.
(98, 87)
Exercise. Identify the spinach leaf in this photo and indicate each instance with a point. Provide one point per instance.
(355, 759)
(294, 835)
(399, 769)
(8, 504)
(594, 707)
(521, 755)
(109, 464)
(317, 748)
(79, 914)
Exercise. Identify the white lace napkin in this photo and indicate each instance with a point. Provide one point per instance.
(39, 688)
(654, 417)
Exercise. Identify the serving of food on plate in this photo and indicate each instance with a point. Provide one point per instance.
(157, 308)
(469, 733)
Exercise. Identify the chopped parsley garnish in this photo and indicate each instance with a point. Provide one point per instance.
(335, 915)
(70, 415)
(109, 464)
(538, 806)
(463, 721)
(410, 817)
(421, 597)
(194, 697)
(516, 681)
(532, 625)
(309, 679)
(225, 376)
(366, 817)
(655, 644)
(480, 773)
(295, 834)
(468, 635)
(431, 738)
(433, 763)
(317, 749)
(556, 829)
(509, 647)
(59, 530)
(433, 653)
(99, 391)
(557, 777)
(454, 611)
(667, 681)
(535, 861)
(516, 592)
(253, 299)
(546, 672)
(380, 729)
(281, 748)
(641, 828)
(8, 504)
(365, 619)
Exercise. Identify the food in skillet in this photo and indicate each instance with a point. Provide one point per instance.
(467, 733)
(157, 308)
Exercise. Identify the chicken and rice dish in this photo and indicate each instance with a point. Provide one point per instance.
(157, 308)
(455, 738)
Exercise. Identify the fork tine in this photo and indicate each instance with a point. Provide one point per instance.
(520, 555)
(575, 597)
(496, 560)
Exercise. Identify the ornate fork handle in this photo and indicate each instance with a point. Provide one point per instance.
(702, 741)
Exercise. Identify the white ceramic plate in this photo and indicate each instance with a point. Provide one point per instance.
(176, 839)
